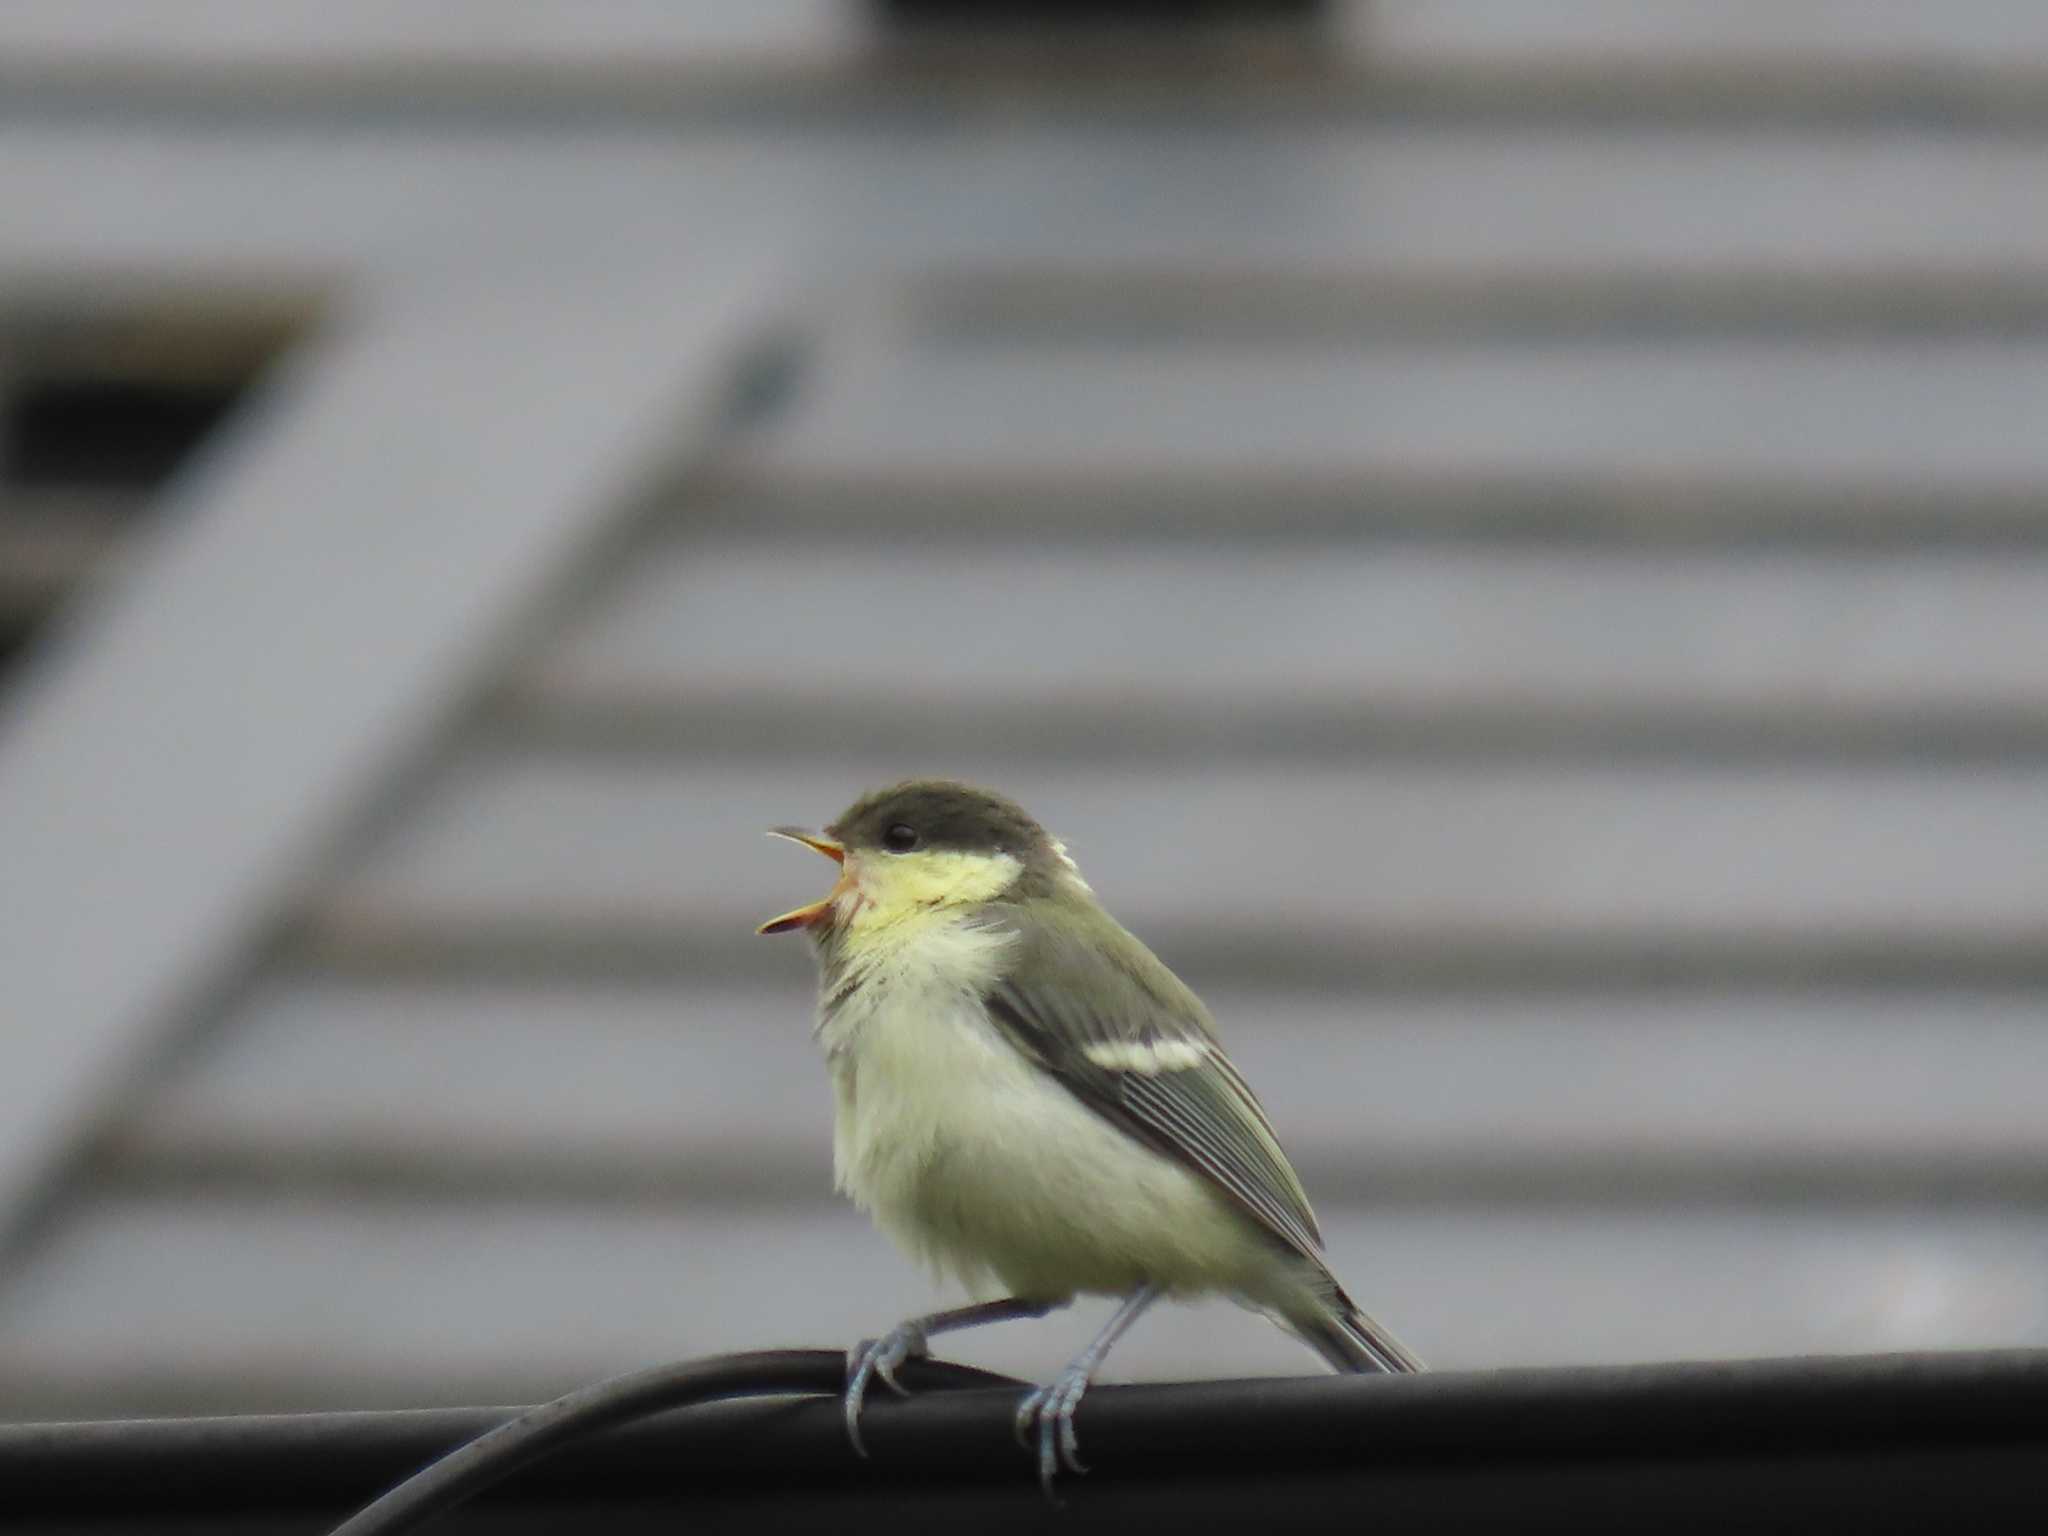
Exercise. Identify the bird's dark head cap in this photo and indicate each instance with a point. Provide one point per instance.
(944, 815)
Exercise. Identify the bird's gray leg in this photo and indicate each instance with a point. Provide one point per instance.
(879, 1358)
(1050, 1409)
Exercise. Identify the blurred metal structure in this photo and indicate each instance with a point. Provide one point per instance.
(1553, 510)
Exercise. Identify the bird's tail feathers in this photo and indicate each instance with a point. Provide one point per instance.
(1351, 1341)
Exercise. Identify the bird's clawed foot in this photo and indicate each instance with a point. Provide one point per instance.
(1048, 1414)
(878, 1359)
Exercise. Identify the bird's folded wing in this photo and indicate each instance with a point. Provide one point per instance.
(1133, 1043)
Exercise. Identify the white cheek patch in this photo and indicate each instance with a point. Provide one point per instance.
(1147, 1058)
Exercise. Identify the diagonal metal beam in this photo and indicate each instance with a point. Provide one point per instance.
(319, 596)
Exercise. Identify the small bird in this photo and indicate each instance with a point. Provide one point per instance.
(1024, 1091)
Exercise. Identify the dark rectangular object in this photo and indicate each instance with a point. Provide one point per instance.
(112, 433)
(1879, 1443)
(1082, 16)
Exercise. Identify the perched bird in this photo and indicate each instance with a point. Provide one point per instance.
(1025, 1091)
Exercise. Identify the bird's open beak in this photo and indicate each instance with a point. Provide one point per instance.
(817, 911)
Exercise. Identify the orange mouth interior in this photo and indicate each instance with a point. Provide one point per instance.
(821, 910)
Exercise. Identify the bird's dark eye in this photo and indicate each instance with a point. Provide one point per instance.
(900, 839)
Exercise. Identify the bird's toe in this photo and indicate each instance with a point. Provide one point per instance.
(1045, 1427)
(878, 1359)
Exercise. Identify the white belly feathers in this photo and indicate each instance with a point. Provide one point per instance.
(977, 1163)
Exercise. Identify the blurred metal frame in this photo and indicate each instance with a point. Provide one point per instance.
(373, 544)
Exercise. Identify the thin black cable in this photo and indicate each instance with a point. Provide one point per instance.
(519, 1442)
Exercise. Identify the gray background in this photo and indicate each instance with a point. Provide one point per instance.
(1531, 525)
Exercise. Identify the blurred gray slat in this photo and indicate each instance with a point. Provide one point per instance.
(261, 41)
(1626, 36)
(1348, 197)
(1875, 416)
(1371, 855)
(1454, 201)
(717, 1093)
(178, 1303)
(1232, 629)
(1619, 35)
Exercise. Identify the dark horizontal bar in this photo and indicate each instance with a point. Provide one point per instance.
(786, 1175)
(986, 305)
(1144, 504)
(681, 722)
(388, 941)
(1273, 81)
(1891, 1442)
